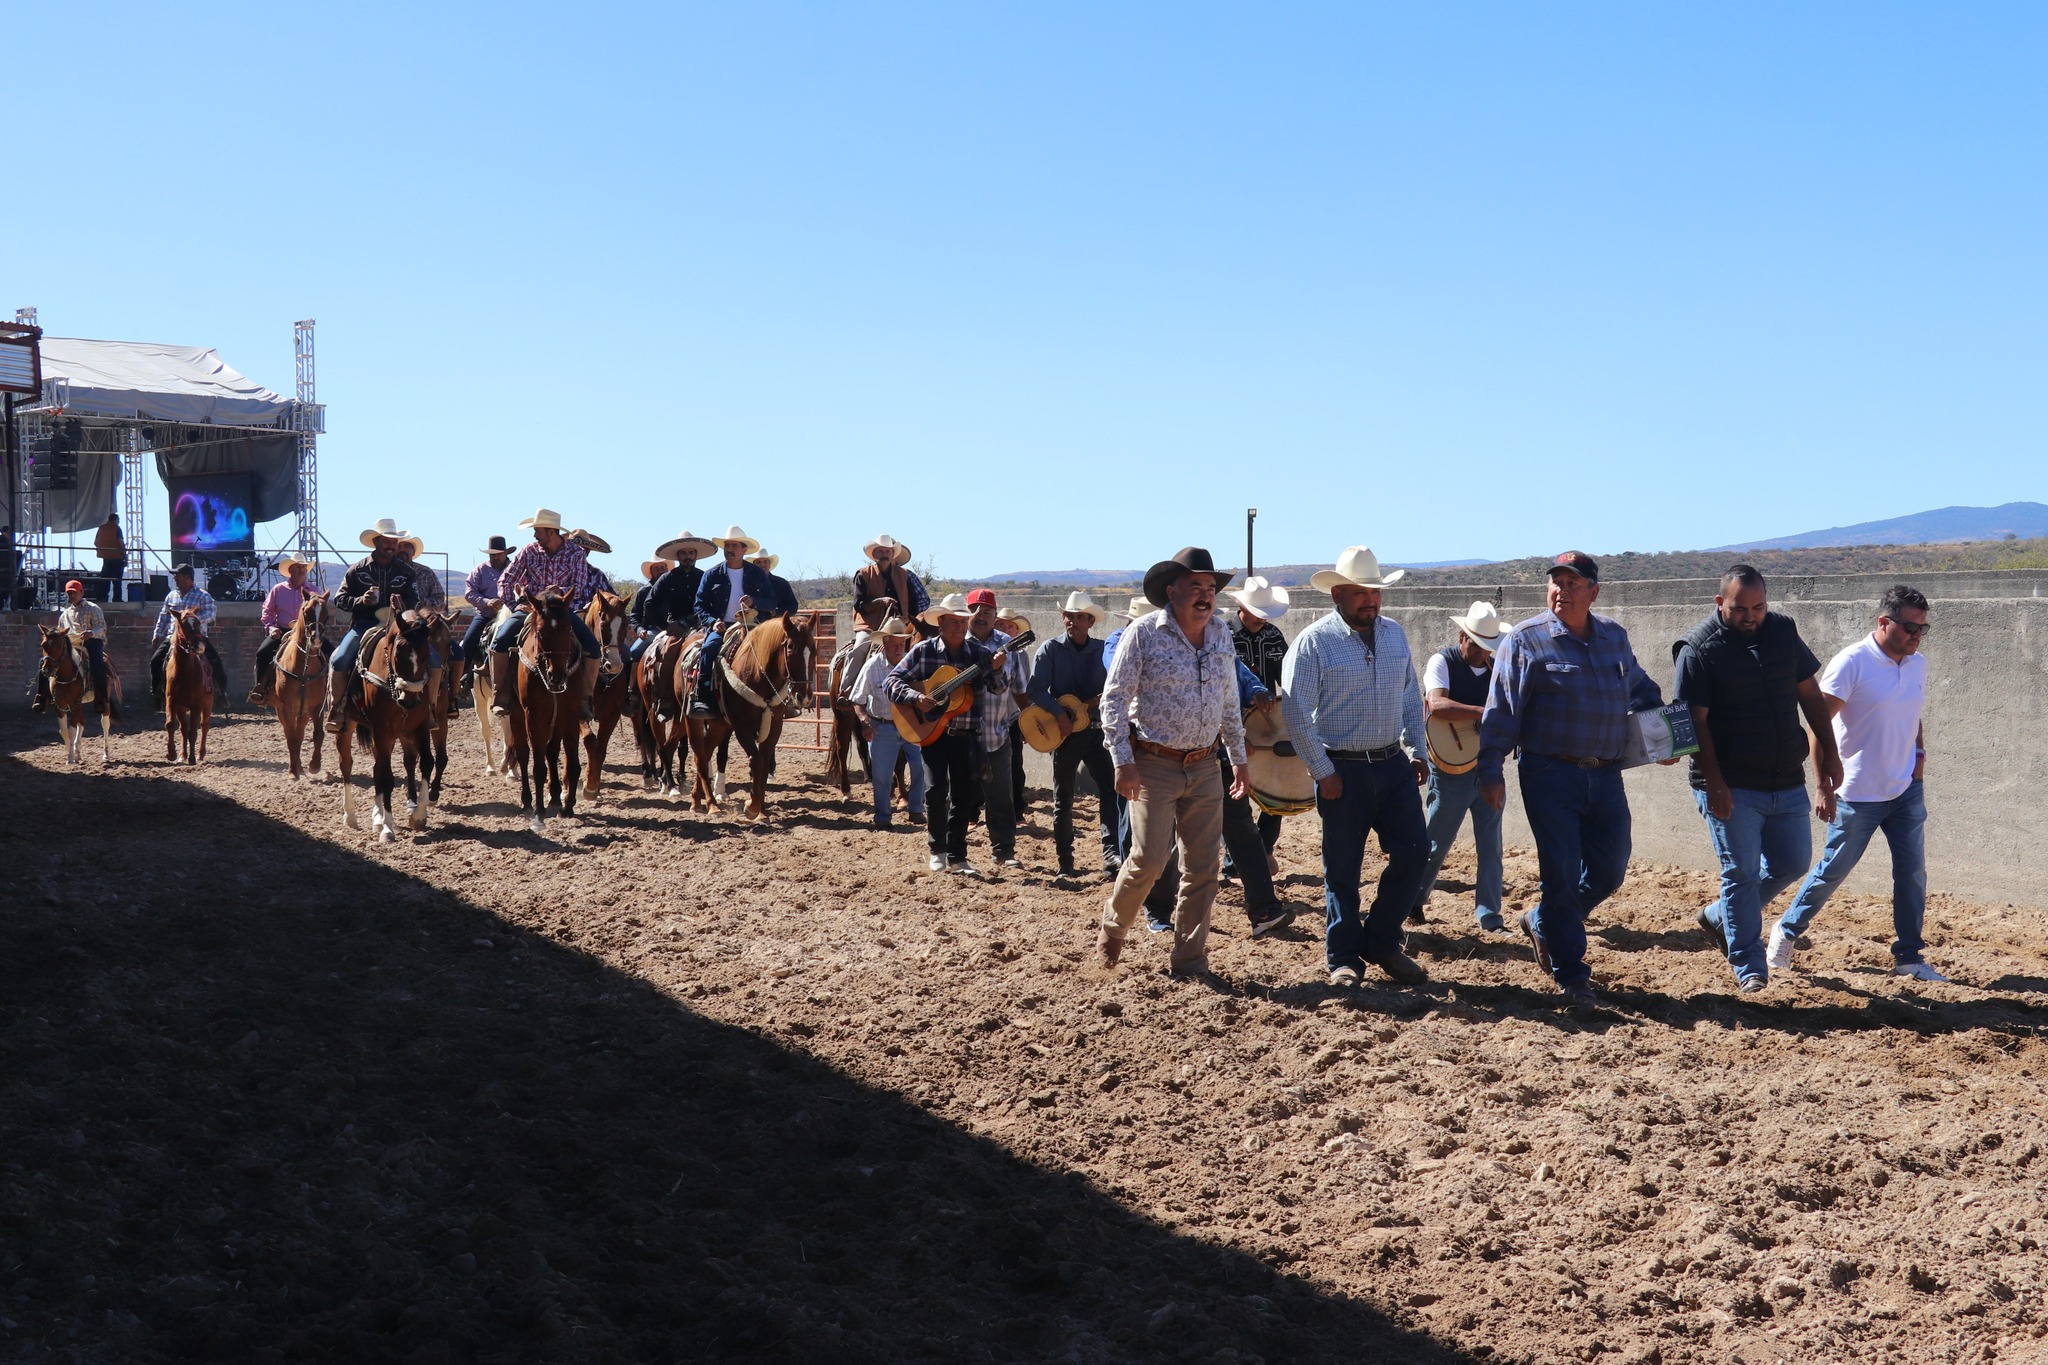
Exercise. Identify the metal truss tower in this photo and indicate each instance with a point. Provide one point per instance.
(29, 536)
(306, 417)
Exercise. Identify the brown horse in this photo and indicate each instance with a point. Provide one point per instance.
(61, 660)
(541, 723)
(762, 677)
(299, 688)
(606, 617)
(498, 759)
(394, 691)
(188, 689)
(660, 726)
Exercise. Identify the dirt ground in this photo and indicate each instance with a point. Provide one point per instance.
(661, 1088)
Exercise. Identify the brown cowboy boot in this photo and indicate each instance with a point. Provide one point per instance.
(502, 681)
(337, 702)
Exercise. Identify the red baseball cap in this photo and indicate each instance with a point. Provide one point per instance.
(1578, 562)
(981, 597)
(74, 586)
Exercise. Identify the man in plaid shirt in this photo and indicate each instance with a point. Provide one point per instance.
(993, 713)
(953, 761)
(185, 595)
(551, 561)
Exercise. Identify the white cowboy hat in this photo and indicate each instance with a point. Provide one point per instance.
(1483, 624)
(892, 624)
(652, 569)
(1078, 602)
(544, 517)
(735, 533)
(385, 529)
(1261, 599)
(284, 566)
(902, 552)
(762, 555)
(1357, 567)
(419, 547)
(1140, 606)
(686, 542)
(1014, 617)
(952, 604)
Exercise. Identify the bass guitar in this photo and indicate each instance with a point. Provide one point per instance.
(954, 687)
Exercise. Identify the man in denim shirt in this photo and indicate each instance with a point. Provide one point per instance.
(1564, 683)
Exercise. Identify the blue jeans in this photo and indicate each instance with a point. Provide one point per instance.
(1904, 822)
(473, 639)
(507, 637)
(1450, 796)
(882, 751)
(1580, 821)
(1763, 846)
(1379, 798)
(344, 660)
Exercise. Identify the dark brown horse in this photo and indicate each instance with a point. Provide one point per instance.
(763, 677)
(67, 695)
(664, 698)
(188, 689)
(394, 690)
(541, 723)
(299, 689)
(606, 617)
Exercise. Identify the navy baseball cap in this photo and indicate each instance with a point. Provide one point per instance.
(1580, 563)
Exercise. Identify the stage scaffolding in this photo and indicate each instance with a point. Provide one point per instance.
(131, 439)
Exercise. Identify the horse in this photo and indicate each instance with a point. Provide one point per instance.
(606, 617)
(397, 685)
(846, 717)
(61, 660)
(497, 761)
(759, 674)
(661, 725)
(542, 723)
(188, 689)
(299, 688)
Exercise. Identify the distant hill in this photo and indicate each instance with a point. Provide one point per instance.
(1287, 575)
(1830, 559)
(1943, 526)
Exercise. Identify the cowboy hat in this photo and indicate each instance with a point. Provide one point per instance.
(1167, 572)
(686, 543)
(1081, 603)
(735, 533)
(419, 547)
(1014, 617)
(1261, 599)
(1483, 624)
(892, 624)
(1358, 568)
(544, 517)
(284, 565)
(496, 546)
(1138, 607)
(902, 552)
(591, 541)
(771, 560)
(385, 529)
(654, 568)
(952, 604)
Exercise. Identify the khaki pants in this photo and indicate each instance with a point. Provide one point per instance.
(1173, 802)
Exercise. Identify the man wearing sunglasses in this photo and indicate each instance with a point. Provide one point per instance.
(1875, 691)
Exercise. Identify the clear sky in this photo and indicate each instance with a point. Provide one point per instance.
(1071, 285)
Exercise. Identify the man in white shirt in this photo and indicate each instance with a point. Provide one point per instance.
(1875, 691)
(870, 692)
(1454, 685)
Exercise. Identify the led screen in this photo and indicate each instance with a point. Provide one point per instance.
(210, 513)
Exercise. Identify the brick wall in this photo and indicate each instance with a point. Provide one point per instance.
(236, 633)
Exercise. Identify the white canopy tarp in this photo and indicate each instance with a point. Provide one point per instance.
(151, 382)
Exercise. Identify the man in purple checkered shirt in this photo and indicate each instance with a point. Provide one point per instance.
(551, 561)
(1564, 682)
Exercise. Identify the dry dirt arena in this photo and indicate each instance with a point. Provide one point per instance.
(659, 1088)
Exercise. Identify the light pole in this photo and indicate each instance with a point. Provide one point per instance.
(1251, 514)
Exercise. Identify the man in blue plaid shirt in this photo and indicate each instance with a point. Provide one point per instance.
(185, 595)
(1564, 683)
(953, 760)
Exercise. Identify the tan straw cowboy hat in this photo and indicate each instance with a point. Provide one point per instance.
(1483, 624)
(902, 552)
(284, 566)
(1357, 567)
(1081, 603)
(686, 543)
(952, 604)
(591, 541)
(1261, 599)
(1139, 606)
(546, 518)
(1011, 616)
(385, 529)
(892, 624)
(733, 533)
(419, 547)
(652, 569)
(765, 560)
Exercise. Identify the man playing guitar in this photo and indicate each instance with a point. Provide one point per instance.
(1072, 666)
(953, 760)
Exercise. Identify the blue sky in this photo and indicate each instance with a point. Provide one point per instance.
(1059, 286)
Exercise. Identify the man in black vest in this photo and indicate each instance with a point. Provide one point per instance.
(1454, 684)
(1748, 677)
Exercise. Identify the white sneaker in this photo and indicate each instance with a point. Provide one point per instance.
(1919, 971)
(937, 862)
(1779, 955)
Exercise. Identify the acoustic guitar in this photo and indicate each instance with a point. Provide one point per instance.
(954, 686)
(1042, 728)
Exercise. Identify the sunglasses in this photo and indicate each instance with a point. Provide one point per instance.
(1912, 628)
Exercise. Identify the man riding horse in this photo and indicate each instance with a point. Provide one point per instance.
(85, 624)
(885, 583)
(381, 578)
(671, 601)
(552, 560)
(729, 588)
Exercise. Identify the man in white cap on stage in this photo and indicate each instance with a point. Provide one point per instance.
(1454, 683)
(729, 587)
(1355, 714)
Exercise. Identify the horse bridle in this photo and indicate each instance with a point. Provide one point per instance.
(299, 642)
(407, 692)
(540, 661)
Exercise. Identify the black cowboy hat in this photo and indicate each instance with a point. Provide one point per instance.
(1162, 575)
(496, 546)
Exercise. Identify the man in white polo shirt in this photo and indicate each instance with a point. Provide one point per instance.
(1875, 690)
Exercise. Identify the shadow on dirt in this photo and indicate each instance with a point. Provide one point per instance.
(340, 1114)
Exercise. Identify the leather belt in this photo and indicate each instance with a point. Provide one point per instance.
(1379, 755)
(1187, 758)
(1589, 764)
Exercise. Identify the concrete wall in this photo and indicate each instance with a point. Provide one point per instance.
(1986, 722)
